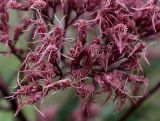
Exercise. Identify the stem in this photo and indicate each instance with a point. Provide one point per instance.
(60, 71)
(5, 93)
(13, 51)
(140, 102)
(73, 20)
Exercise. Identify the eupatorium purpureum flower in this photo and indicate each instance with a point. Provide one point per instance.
(102, 56)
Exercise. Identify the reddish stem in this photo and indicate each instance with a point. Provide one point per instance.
(134, 107)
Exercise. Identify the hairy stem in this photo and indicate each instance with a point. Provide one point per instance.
(140, 102)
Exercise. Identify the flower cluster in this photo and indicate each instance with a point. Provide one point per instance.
(110, 62)
(4, 26)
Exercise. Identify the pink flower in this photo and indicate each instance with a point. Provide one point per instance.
(110, 62)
